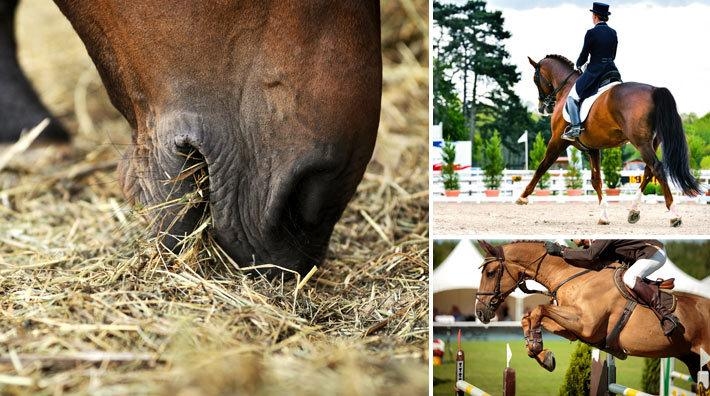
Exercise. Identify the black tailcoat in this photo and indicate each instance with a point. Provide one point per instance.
(599, 44)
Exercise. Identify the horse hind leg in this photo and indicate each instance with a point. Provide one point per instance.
(649, 156)
(634, 211)
(692, 361)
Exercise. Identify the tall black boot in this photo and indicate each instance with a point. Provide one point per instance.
(651, 295)
(575, 128)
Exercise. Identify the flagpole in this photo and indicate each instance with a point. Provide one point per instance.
(526, 150)
(524, 139)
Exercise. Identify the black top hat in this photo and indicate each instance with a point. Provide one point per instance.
(600, 9)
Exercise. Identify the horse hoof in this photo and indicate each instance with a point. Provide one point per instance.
(676, 222)
(521, 201)
(603, 222)
(634, 216)
(548, 361)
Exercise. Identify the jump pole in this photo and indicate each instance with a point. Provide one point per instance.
(603, 378)
(465, 388)
(668, 374)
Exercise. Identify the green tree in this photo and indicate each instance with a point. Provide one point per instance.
(448, 173)
(471, 42)
(477, 150)
(693, 257)
(536, 155)
(507, 115)
(573, 177)
(697, 147)
(651, 376)
(448, 109)
(493, 163)
(611, 166)
(578, 372)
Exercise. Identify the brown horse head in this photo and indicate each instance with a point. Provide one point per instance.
(546, 80)
(280, 99)
(503, 270)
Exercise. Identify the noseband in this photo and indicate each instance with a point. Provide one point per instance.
(549, 99)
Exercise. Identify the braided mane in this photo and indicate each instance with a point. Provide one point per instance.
(562, 59)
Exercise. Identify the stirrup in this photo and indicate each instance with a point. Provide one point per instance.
(572, 133)
(673, 321)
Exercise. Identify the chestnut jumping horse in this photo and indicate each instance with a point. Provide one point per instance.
(632, 112)
(588, 307)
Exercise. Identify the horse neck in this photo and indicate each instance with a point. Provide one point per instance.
(559, 74)
(552, 270)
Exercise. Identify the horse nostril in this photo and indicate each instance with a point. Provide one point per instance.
(309, 199)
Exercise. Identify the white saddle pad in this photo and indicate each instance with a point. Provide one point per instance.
(587, 104)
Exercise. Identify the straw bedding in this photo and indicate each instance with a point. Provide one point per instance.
(90, 304)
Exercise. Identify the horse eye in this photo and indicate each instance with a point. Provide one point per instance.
(491, 274)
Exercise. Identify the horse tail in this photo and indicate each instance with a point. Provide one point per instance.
(669, 128)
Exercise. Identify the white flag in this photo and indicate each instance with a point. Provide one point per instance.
(523, 137)
(508, 355)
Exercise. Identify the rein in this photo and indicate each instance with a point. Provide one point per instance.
(520, 282)
(550, 98)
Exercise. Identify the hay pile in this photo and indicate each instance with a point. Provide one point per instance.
(90, 304)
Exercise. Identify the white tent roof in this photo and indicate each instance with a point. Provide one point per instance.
(461, 270)
(683, 281)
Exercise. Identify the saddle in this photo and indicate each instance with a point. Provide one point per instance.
(586, 106)
(606, 82)
(608, 78)
(668, 299)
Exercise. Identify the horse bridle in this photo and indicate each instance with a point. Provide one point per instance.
(550, 98)
(496, 293)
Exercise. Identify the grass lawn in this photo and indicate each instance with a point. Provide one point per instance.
(485, 361)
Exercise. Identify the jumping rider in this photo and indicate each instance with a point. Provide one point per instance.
(599, 43)
(643, 256)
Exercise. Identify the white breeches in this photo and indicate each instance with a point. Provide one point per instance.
(573, 93)
(644, 267)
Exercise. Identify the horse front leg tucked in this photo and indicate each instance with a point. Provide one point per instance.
(554, 148)
(559, 320)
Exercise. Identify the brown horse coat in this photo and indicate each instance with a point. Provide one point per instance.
(588, 307)
(281, 99)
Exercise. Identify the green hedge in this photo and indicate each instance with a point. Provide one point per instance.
(578, 373)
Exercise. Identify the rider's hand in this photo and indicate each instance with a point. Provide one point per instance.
(554, 249)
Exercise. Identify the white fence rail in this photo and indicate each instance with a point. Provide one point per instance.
(515, 181)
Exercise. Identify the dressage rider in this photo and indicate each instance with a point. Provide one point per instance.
(599, 43)
(643, 256)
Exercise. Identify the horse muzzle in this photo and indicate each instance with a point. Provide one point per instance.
(485, 315)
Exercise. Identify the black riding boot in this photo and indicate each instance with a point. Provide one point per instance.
(575, 129)
(651, 295)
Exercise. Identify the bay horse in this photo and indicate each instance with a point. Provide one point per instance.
(588, 307)
(644, 115)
